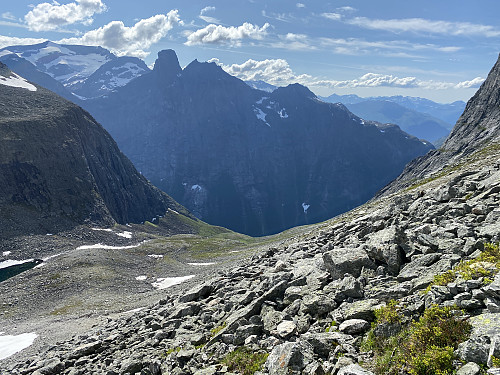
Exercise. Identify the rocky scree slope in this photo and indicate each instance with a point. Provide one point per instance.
(252, 161)
(478, 125)
(60, 168)
(280, 305)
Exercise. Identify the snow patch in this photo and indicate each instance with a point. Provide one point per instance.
(7, 52)
(260, 115)
(125, 234)
(167, 282)
(16, 81)
(6, 253)
(305, 206)
(12, 262)
(106, 247)
(141, 278)
(10, 344)
(196, 187)
(283, 113)
(202, 264)
(261, 100)
(102, 229)
(134, 310)
(156, 256)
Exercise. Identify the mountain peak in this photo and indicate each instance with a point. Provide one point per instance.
(204, 68)
(167, 65)
(474, 128)
(295, 89)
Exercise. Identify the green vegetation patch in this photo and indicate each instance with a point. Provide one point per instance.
(390, 313)
(423, 347)
(331, 327)
(486, 265)
(68, 308)
(216, 330)
(245, 361)
(172, 350)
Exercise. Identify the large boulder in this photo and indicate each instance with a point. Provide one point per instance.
(289, 357)
(486, 329)
(346, 260)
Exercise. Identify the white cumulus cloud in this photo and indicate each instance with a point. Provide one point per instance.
(473, 83)
(50, 16)
(279, 73)
(132, 41)
(370, 80)
(388, 80)
(274, 71)
(217, 34)
(426, 26)
(300, 5)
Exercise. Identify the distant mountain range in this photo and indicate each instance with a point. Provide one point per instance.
(80, 73)
(71, 70)
(253, 161)
(420, 117)
(448, 113)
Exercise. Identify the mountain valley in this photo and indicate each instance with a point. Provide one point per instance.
(251, 161)
(125, 280)
(303, 302)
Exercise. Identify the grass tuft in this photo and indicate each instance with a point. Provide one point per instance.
(244, 361)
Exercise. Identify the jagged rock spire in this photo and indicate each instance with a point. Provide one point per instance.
(167, 65)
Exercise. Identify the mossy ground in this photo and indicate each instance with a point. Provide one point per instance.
(485, 266)
(245, 361)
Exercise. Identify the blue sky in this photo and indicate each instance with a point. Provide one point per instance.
(441, 50)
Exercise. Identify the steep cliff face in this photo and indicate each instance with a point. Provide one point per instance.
(478, 126)
(60, 168)
(252, 161)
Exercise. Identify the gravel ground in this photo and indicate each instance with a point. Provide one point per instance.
(79, 286)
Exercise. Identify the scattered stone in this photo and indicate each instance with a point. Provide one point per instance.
(354, 326)
(469, 368)
(354, 369)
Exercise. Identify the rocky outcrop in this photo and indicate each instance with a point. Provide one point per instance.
(252, 161)
(478, 126)
(60, 168)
